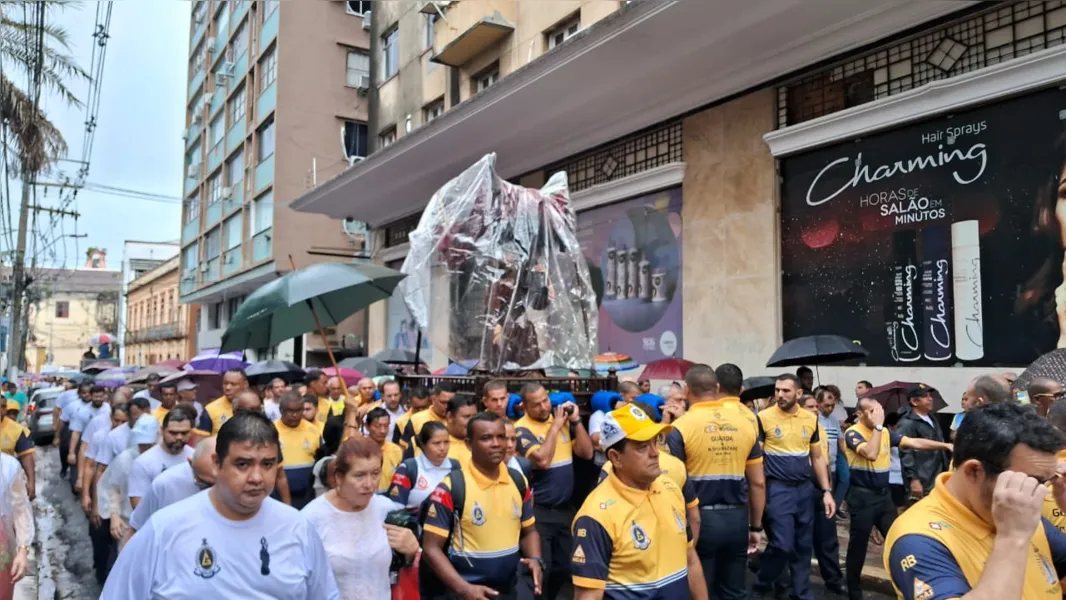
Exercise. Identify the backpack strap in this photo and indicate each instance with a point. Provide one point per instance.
(458, 495)
(519, 482)
(411, 466)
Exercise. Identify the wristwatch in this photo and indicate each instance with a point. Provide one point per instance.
(755, 528)
(827, 491)
(879, 427)
(539, 560)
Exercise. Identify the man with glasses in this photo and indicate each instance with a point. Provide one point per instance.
(1043, 392)
(980, 534)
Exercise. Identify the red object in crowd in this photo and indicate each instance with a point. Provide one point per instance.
(350, 376)
(406, 587)
(670, 369)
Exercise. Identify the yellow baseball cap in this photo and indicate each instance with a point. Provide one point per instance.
(629, 422)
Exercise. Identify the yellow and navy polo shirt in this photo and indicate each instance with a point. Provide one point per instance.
(1051, 511)
(391, 457)
(484, 548)
(673, 469)
(457, 449)
(787, 440)
(552, 487)
(15, 438)
(299, 445)
(217, 412)
(938, 549)
(160, 414)
(323, 412)
(631, 543)
(864, 472)
(398, 431)
(717, 441)
(414, 427)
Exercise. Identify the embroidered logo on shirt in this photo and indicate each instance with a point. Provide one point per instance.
(432, 512)
(1049, 572)
(777, 433)
(640, 537)
(478, 515)
(422, 483)
(922, 590)
(579, 555)
(678, 520)
(206, 567)
(307, 444)
(806, 433)
(516, 509)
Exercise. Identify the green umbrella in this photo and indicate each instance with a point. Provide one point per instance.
(321, 295)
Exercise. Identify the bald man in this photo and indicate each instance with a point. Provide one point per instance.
(988, 389)
(177, 483)
(366, 390)
(1043, 392)
(335, 389)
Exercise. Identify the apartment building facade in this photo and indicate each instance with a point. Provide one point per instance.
(158, 327)
(139, 258)
(277, 100)
(884, 172)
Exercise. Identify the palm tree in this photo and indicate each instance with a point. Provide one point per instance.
(26, 39)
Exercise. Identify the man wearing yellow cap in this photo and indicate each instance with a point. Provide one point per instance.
(631, 536)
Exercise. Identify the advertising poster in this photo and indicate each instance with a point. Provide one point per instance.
(935, 244)
(402, 329)
(634, 252)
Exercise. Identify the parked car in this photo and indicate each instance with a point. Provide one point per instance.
(40, 414)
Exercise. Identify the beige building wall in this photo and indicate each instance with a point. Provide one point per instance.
(64, 337)
(312, 103)
(729, 250)
(158, 328)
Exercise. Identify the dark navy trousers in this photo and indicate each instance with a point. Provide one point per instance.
(789, 523)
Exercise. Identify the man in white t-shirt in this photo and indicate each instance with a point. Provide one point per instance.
(178, 483)
(239, 544)
(171, 451)
(151, 392)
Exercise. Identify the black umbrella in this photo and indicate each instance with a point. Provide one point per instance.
(758, 387)
(397, 356)
(816, 350)
(368, 367)
(264, 371)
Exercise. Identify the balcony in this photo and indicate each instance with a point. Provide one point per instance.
(197, 81)
(190, 184)
(269, 31)
(472, 27)
(261, 246)
(188, 281)
(194, 135)
(190, 231)
(166, 331)
(235, 200)
(214, 157)
(211, 274)
(213, 213)
(264, 173)
(221, 37)
(218, 99)
(198, 34)
(239, 8)
(235, 136)
(265, 104)
(231, 261)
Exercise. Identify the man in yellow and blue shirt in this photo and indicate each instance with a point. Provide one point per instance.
(377, 429)
(300, 440)
(868, 447)
(219, 410)
(717, 439)
(1056, 415)
(979, 533)
(551, 442)
(478, 524)
(460, 409)
(437, 411)
(791, 449)
(632, 540)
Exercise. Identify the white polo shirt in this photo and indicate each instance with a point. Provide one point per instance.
(173, 486)
(276, 554)
(150, 465)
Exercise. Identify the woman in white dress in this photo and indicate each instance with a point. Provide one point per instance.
(16, 525)
(350, 519)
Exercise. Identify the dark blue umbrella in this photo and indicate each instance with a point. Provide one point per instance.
(816, 350)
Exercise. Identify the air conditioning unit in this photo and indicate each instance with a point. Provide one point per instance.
(229, 54)
(185, 136)
(227, 67)
(209, 46)
(366, 20)
(363, 84)
(227, 192)
(220, 80)
(197, 117)
(194, 171)
(203, 268)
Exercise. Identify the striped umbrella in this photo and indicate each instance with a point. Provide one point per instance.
(112, 377)
(101, 338)
(614, 360)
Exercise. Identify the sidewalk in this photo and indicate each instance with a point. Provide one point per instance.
(26, 589)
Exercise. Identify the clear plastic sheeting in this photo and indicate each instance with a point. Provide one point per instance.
(495, 274)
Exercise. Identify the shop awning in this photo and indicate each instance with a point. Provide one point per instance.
(643, 65)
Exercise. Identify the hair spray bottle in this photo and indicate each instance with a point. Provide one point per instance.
(906, 297)
(966, 269)
(936, 292)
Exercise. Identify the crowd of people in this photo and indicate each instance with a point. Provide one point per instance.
(315, 490)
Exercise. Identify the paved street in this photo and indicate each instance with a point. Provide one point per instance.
(65, 556)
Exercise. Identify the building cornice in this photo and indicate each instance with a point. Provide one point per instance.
(1032, 72)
